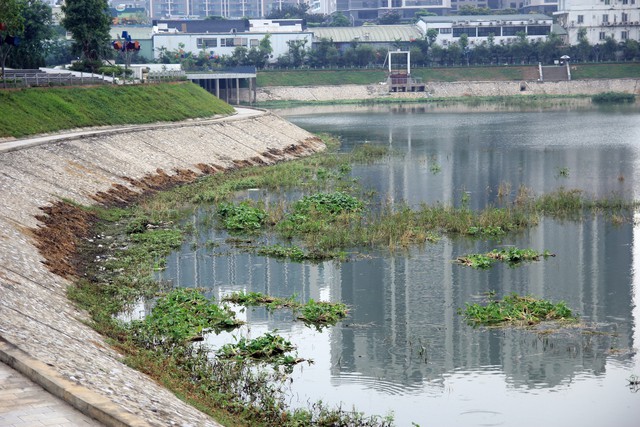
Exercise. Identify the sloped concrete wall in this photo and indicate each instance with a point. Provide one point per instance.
(35, 316)
(449, 90)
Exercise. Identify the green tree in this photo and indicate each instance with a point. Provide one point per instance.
(289, 11)
(549, 50)
(583, 49)
(36, 37)
(463, 42)
(260, 56)
(466, 10)
(365, 55)
(339, 20)
(11, 24)
(89, 22)
(59, 52)
(431, 36)
(423, 12)
(609, 49)
(239, 56)
(297, 51)
(631, 50)
(391, 17)
(324, 54)
(521, 49)
(454, 53)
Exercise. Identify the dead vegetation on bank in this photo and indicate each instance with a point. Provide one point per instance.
(65, 224)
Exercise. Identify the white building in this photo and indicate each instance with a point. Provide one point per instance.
(478, 28)
(618, 19)
(225, 43)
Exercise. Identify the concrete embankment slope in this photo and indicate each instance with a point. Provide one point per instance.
(41, 333)
(448, 90)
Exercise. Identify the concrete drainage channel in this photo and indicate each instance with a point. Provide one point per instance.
(42, 335)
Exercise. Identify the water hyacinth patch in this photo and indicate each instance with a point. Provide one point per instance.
(182, 315)
(329, 203)
(317, 313)
(512, 256)
(249, 299)
(270, 348)
(516, 310)
(241, 217)
(322, 313)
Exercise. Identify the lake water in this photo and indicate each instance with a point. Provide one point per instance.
(404, 349)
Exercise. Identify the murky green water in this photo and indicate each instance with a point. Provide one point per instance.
(404, 349)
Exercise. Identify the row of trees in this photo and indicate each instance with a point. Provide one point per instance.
(41, 42)
(424, 52)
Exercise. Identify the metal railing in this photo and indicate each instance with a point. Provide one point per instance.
(166, 76)
(20, 79)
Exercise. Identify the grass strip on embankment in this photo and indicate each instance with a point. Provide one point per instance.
(34, 111)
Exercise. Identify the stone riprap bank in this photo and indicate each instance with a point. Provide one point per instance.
(37, 322)
(448, 90)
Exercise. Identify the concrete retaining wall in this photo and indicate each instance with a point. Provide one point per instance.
(36, 318)
(449, 90)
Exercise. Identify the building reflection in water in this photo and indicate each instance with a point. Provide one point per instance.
(404, 329)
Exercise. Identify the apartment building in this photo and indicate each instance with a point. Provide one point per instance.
(230, 9)
(600, 19)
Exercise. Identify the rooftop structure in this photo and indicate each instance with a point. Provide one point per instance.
(368, 33)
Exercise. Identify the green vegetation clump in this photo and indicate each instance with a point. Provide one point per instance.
(249, 299)
(270, 348)
(316, 313)
(512, 256)
(296, 253)
(516, 310)
(241, 217)
(330, 203)
(181, 316)
(322, 313)
(613, 98)
(43, 110)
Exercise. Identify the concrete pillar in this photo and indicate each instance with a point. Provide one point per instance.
(218, 88)
(237, 91)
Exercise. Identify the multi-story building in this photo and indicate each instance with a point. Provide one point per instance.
(225, 8)
(540, 6)
(370, 10)
(478, 28)
(600, 19)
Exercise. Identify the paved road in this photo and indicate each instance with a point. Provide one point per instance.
(17, 144)
(23, 403)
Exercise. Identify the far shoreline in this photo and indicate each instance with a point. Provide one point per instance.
(279, 96)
